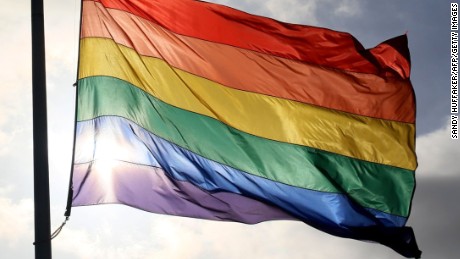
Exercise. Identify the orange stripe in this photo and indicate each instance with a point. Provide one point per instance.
(362, 94)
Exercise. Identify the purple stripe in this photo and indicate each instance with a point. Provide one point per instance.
(148, 188)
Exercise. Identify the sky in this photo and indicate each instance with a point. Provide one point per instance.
(116, 231)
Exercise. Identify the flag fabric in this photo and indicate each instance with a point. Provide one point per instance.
(195, 109)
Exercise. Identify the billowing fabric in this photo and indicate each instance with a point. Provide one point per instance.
(195, 109)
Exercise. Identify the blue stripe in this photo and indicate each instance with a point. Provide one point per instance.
(113, 137)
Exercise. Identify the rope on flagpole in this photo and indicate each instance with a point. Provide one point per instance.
(54, 234)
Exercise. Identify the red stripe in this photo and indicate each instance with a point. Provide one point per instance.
(225, 25)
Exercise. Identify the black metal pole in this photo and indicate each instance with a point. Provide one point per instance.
(40, 135)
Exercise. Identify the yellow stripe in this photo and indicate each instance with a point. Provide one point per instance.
(375, 140)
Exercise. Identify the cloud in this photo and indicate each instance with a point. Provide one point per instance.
(62, 37)
(15, 72)
(306, 12)
(5, 141)
(435, 215)
(309, 12)
(438, 154)
(15, 218)
(13, 15)
(293, 11)
(122, 232)
(99, 243)
(347, 8)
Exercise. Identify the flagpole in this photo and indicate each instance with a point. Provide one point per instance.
(40, 138)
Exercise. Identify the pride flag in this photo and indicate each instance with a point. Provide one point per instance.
(196, 109)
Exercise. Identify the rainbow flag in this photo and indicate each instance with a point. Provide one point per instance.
(196, 109)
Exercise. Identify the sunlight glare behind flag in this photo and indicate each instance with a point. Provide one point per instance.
(196, 109)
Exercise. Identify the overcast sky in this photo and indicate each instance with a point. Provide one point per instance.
(115, 231)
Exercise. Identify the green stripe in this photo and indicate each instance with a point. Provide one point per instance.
(385, 188)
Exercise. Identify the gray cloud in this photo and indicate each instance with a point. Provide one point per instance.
(435, 215)
(438, 154)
